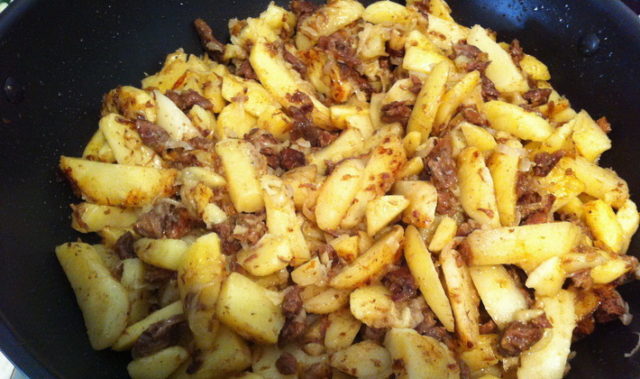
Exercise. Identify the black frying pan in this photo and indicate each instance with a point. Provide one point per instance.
(59, 57)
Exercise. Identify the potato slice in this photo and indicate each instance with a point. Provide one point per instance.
(600, 182)
(483, 355)
(604, 225)
(282, 218)
(548, 357)
(417, 356)
(477, 137)
(282, 82)
(126, 143)
(527, 244)
(327, 301)
(535, 69)
(444, 33)
(423, 198)
(133, 280)
(347, 247)
(500, 294)
(381, 168)
(381, 211)
(463, 297)
(133, 332)
(611, 270)
(229, 355)
(365, 359)
(241, 174)
(477, 194)
(445, 232)
(382, 253)
(98, 149)
(103, 301)
(512, 119)
(87, 217)
(342, 330)
(628, 218)
(246, 308)
(158, 365)
(328, 19)
(428, 101)
(386, 12)
(502, 71)
(234, 122)
(424, 271)
(337, 194)
(130, 102)
(312, 272)
(452, 99)
(590, 140)
(164, 253)
(118, 185)
(350, 143)
(199, 279)
(423, 61)
(271, 253)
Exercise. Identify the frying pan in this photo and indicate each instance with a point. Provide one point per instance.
(57, 58)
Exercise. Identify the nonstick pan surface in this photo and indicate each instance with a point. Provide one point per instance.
(57, 59)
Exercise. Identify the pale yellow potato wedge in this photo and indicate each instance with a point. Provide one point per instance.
(423, 199)
(126, 143)
(527, 244)
(281, 217)
(504, 171)
(327, 301)
(282, 82)
(535, 69)
(234, 122)
(414, 166)
(118, 185)
(337, 193)
(548, 357)
(590, 140)
(386, 12)
(365, 359)
(103, 301)
(604, 225)
(202, 119)
(477, 194)
(452, 99)
(500, 294)
(424, 61)
(369, 263)
(255, 99)
(271, 253)
(246, 308)
(445, 33)
(444, 233)
(133, 281)
(611, 270)
(373, 306)
(342, 330)
(241, 174)
(419, 356)
(477, 137)
(130, 102)
(326, 20)
(199, 279)
(600, 182)
(347, 247)
(126, 340)
(512, 119)
(547, 279)
(88, 217)
(502, 71)
(424, 271)
(98, 149)
(164, 253)
(383, 165)
(628, 218)
(312, 272)
(230, 354)
(463, 297)
(158, 365)
(428, 101)
(348, 144)
(381, 211)
(483, 354)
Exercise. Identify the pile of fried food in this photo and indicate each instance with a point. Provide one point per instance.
(346, 192)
